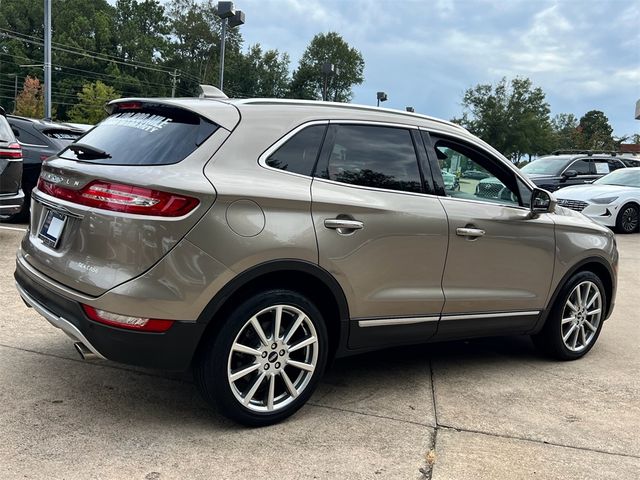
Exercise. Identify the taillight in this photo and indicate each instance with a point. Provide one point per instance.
(123, 198)
(140, 324)
(12, 150)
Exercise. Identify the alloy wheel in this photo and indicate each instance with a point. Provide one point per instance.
(581, 316)
(630, 219)
(272, 359)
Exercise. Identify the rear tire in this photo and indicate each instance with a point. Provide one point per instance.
(575, 321)
(256, 376)
(628, 218)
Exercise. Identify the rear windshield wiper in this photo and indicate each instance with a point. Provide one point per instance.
(87, 151)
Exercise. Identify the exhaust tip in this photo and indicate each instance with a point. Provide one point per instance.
(83, 351)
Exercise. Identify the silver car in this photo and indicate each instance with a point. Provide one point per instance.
(255, 240)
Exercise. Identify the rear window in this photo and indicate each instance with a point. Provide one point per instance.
(151, 136)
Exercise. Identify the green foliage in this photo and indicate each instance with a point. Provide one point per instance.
(308, 80)
(513, 117)
(135, 46)
(595, 132)
(566, 135)
(91, 102)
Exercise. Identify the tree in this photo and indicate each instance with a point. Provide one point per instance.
(308, 80)
(30, 102)
(595, 132)
(258, 74)
(566, 135)
(92, 99)
(513, 117)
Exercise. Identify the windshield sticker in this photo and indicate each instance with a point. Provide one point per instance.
(141, 121)
(602, 167)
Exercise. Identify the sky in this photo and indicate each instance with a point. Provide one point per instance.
(584, 54)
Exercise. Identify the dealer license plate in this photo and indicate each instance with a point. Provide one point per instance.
(52, 228)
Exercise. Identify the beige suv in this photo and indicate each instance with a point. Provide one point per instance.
(257, 239)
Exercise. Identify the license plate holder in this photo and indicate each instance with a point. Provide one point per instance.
(52, 228)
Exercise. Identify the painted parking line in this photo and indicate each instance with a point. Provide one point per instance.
(2, 227)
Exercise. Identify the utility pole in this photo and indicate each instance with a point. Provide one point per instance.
(174, 79)
(47, 59)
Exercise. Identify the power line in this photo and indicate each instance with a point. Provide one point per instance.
(91, 54)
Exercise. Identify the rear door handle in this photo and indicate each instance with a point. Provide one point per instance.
(469, 232)
(343, 224)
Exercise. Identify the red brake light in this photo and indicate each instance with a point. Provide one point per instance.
(12, 150)
(129, 106)
(140, 324)
(123, 198)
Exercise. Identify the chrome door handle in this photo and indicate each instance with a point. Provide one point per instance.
(469, 232)
(341, 223)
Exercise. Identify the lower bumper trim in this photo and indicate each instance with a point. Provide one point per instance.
(58, 322)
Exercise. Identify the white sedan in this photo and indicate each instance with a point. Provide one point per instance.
(613, 200)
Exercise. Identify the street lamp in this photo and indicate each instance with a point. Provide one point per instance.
(328, 70)
(232, 17)
(410, 109)
(382, 97)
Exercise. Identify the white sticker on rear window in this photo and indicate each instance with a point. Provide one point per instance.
(141, 121)
(602, 167)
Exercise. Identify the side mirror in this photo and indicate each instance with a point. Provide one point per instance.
(570, 174)
(542, 202)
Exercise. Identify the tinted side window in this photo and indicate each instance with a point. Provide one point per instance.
(27, 138)
(581, 167)
(300, 152)
(371, 156)
(615, 164)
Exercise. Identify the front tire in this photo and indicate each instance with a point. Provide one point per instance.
(628, 218)
(266, 360)
(575, 321)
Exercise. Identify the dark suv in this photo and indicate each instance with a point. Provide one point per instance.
(39, 140)
(11, 196)
(565, 168)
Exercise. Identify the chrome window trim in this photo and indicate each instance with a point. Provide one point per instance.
(262, 159)
(36, 145)
(387, 322)
(373, 123)
(474, 316)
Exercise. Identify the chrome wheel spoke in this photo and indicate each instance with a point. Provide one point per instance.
(302, 344)
(575, 338)
(579, 295)
(287, 381)
(294, 327)
(591, 327)
(572, 306)
(252, 391)
(245, 371)
(583, 336)
(301, 365)
(568, 334)
(586, 295)
(567, 320)
(238, 347)
(277, 322)
(594, 312)
(272, 389)
(258, 328)
(596, 296)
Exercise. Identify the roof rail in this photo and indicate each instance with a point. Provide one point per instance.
(353, 106)
(586, 152)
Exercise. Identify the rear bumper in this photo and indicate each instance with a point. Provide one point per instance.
(12, 203)
(171, 350)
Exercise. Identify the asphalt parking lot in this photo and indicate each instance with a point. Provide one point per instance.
(487, 408)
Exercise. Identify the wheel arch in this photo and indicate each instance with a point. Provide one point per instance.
(305, 277)
(599, 267)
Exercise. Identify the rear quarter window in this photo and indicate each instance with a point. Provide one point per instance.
(150, 136)
(300, 152)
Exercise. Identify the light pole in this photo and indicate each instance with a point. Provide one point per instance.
(15, 90)
(232, 17)
(382, 97)
(328, 70)
(47, 59)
